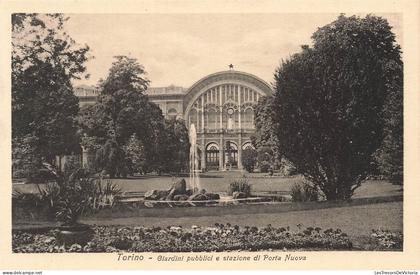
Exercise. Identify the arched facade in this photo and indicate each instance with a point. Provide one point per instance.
(221, 106)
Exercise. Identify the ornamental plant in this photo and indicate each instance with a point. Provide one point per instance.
(240, 185)
(75, 193)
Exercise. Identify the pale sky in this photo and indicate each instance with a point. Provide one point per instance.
(180, 49)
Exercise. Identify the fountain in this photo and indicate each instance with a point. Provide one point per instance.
(194, 181)
(182, 193)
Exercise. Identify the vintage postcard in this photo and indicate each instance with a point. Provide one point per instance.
(210, 135)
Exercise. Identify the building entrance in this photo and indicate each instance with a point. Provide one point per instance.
(231, 155)
(212, 156)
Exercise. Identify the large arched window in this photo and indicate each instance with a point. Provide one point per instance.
(248, 118)
(232, 154)
(236, 118)
(211, 119)
(212, 155)
(225, 117)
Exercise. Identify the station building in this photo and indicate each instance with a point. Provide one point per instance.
(220, 105)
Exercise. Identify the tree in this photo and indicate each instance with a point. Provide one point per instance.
(265, 126)
(330, 102)
(121, 111)
(136, 153)
(390, 155)
(265, 139)
(25, 161)
(175, 147)
(44, 61)
(249, 159)
(122, 105)
(112, 159)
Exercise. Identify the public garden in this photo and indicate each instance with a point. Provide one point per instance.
(323, 169)
(377, 205)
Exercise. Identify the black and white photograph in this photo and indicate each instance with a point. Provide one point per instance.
(223, 133)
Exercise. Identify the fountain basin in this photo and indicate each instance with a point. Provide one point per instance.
(223, 201)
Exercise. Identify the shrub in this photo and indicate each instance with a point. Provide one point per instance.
(111, 158)
(73, 196)
(265, 158)
(40, 176)
(104, 194)
(18, 173)
(302, 192)
(65, 199)
(72, 164)
(249, 159)
(240, 185)
(287, 168)
(25, 161)
(264, 166)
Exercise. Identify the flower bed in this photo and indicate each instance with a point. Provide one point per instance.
(197, 239)
(387, 240)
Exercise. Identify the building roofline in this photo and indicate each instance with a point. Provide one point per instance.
(226, 72)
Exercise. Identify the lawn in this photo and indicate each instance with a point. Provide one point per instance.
(354, 220)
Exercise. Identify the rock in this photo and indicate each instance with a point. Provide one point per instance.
(156, 194)
(163, 194)
(169, 197)
(213, 196)
(238, 195)
(198, 197)
(179, 187)
(151, 195)
(189, 192)
(180, 197)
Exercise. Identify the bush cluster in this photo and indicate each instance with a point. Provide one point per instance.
(303, 192)
(249, 159)
(176, 239)
(70, 196)
(240, 185)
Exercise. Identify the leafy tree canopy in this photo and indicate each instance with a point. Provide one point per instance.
(44, 61)
(121, 111)
(265, 126)
(174, 146)
(330, 101)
